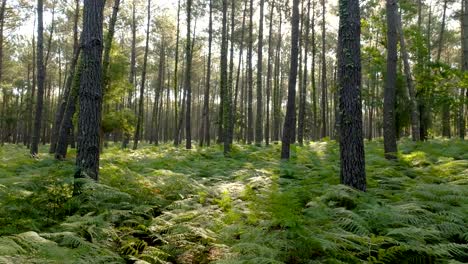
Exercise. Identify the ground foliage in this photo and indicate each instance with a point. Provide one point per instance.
(168, 205)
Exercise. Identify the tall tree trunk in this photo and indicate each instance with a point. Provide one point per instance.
(224, 81)
(324, 76)
(315, 123)
(353, 171)
(66, 133)
(250, 132)
(108, 45)
(390, 145)
(205, 136)
(66, 94)
(90, 94)
(259, 120)
(176, 74)
(269, 73)
(139, 126)
(410, 85)
(290, 118)
(188, 77)
(446, 105)
(40, 79)
(303, 88)
(277, 86)
(230, 117)
(462, 122)
(131, 77)
(2, 25)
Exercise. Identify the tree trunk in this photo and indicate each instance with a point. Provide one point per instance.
(410, 85)
(66, 94)
(303, 88)
(462, 122)
(143, 82)
(269, 73)
(390, 145)
(324, 76)
(315, 123)
(90, 94)
(353, 171)
(290, 118)
(176, 74)
(66, 133)
(40, 79)
(224, 81)
(2, 25)
(250, 132)
(131, 77)
(188, 77)
(205, 136)
(277, 86)
(259, 119)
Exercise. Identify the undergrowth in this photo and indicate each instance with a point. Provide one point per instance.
(168, 205)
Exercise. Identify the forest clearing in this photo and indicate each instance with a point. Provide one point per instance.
(233, 131)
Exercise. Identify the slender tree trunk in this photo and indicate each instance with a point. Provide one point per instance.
(230, 116)
(324, 76)
(87, 159)
(176, 74)
(224, 81)
(462, 122)
(277, 100)
(390, 145)
(353, 171)
(40, 79)
(2, 25)
(315, 122)
(66, 94)
(410, 85)
(290, 119)
(131, 77)
(250, 132)
(259, 120)
(188, 77)
(303, 89)
(205, 136)
(108, 45)
(66, 133)
(143, 82)
(238, 80)
(269, 73)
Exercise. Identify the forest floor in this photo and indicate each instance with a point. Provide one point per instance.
(169, 205)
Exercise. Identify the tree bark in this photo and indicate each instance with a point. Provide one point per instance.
(353, 171)
(90, 94)
(290, 118)
(390, 145)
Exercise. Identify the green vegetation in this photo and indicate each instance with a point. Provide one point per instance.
(164, 204)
